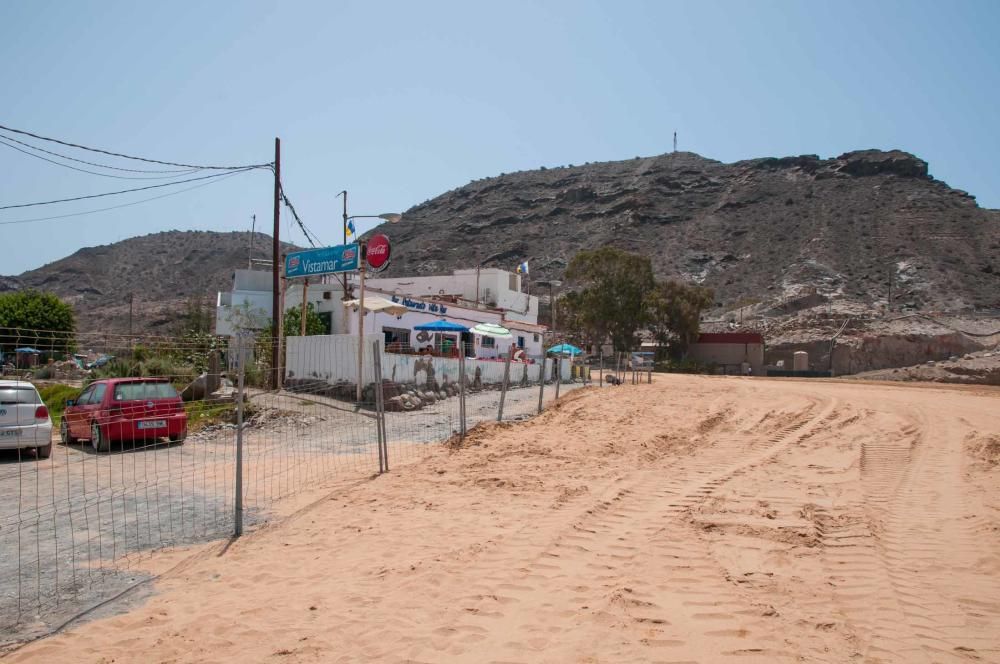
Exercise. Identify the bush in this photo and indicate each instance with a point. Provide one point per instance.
(687, 366)
(55, 397)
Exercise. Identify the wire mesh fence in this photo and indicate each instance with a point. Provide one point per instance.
(166, 441)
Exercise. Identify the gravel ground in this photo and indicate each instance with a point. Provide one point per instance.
(73, 526)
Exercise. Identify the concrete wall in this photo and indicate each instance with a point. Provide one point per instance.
(729, 355)
(853, 355)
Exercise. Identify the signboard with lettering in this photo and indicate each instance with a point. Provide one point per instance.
(325, 260)
(420, 305)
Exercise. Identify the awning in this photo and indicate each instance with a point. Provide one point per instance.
(379, 305)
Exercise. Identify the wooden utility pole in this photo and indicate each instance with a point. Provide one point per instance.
(276, 313)
(302, 318)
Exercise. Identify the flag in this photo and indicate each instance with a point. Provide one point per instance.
(523, 268)
(350, 227)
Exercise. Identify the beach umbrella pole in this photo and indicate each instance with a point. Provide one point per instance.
(503, 389)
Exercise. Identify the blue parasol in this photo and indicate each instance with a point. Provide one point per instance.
(441, 326)
(565, 349)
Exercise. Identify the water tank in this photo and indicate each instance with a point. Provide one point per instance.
(800, 361)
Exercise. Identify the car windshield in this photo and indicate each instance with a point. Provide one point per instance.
(144, 390)
(14, 395)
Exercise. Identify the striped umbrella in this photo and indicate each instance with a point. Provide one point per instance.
(491, 330)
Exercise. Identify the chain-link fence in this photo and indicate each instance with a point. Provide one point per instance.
(114, 447)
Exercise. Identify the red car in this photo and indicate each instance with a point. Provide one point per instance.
(117, 409)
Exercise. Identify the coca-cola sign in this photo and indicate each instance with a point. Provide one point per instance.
(378, 253)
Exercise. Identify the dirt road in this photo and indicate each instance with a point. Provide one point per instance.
(695, 520)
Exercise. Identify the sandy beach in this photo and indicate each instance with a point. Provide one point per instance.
(698, 519)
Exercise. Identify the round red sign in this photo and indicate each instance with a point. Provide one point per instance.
(378, 253)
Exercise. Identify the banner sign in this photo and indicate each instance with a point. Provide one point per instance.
(326, 260)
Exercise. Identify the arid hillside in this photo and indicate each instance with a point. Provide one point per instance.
(763, 229)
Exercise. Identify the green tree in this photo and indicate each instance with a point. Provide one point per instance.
(197, 317)
(674, 312)
(293, 322)
(33, 318)
(611, 288)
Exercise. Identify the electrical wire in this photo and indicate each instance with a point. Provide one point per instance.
(92, 163)
(125, 156)
(125, 191)
(124, 205)
(311, 237)
(104, 175)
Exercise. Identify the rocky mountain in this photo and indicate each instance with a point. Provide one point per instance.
(783, 234)
(762, 230)
(161, 271)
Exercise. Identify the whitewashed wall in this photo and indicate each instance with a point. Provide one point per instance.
(335, 357)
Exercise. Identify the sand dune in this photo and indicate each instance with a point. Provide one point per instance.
(694, 520)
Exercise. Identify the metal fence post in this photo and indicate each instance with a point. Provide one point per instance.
(383, 460)
(503, 388)
(238, 498)
(601, 384)
(461, 392)
(541, 385)
(558, 373)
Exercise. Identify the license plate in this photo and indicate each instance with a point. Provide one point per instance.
(10, 433)
(152, 424)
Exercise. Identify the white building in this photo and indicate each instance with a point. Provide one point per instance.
(248, 305)
(466, 297)
(490, 287)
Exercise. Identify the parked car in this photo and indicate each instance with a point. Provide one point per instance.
(118, 409)
(24, 419)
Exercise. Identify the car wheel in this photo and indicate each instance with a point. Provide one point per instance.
(98, 441)
(44, 451)
(179, 438)
(64, 434)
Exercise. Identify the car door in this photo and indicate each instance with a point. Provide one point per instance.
(92, 409)
(74, 414)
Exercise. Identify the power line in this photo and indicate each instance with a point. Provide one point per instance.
(126, 191)
(310, 237)
(123, 205)
(179, 173)
(125, 156)
(91, 163)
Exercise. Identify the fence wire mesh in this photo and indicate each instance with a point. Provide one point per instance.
(141, 452)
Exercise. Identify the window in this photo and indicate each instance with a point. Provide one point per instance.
(513, 282)
(144, 390)
(535, 337)
(489, 342)
(98, 395)
(396, 337)
(84, 398)
(10, 396)
(520, 342)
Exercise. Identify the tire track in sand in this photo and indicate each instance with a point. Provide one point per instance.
(620, 566)
(904, 560)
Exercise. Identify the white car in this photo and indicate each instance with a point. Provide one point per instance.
(24, 419)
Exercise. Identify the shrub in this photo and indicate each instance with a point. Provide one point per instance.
(687, 366)
(55, 397)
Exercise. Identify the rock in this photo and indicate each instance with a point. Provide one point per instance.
(876, 162)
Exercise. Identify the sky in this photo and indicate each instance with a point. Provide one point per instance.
(398, 102)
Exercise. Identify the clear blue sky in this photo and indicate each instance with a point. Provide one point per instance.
(401, 101)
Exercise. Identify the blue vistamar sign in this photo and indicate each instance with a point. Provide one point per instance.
(327, 260)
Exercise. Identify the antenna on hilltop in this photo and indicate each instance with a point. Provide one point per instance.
(675, 141)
